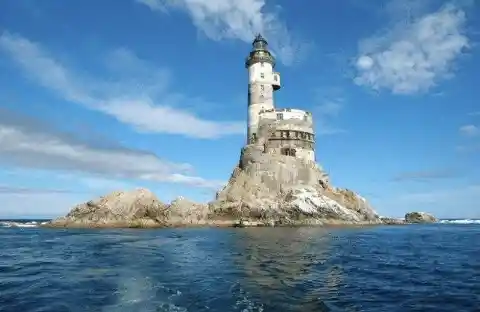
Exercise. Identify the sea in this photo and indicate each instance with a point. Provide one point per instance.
(434, 267)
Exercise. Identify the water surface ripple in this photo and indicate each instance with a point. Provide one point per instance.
(404, 268)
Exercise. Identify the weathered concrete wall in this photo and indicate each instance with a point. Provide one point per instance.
(287, 124)
(302, 153)
(275, 170)
(286, 114)
(296, 133)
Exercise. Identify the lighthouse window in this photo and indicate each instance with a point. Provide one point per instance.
(275, 78)
(280, 116)
(261, 64)
(262, 87)
(262, 75)
(288, 151)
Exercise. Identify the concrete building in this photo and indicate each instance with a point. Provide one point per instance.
(283, 131)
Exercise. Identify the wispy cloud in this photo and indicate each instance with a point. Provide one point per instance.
(468, 148)
(237, 19)
(446, 196)
(474, 113)
(5, 189)
(469, 130)
(27, 144)
(415, 54)
(426, 175)
(140, 97)
(331, 107)
(38, 205)
(331, 104)
(450, 202)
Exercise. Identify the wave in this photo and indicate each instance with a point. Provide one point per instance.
(21, 224)
(36, 223)
(461, 221)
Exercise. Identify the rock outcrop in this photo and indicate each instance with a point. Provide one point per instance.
(392, 221)
(277, 189)
(420, 217)
(182, 212)
(264, 189)
(137, 208)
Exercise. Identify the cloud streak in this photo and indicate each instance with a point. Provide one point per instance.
(449, 196)
(469, 130)
(236, 19)
(5, 189)
(415, 54)
(28, 145)
(133, 99)
(449, 202)
(331, 105)
(425, 176)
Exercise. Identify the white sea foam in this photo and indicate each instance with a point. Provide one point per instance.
(20, 224)
(461, 221)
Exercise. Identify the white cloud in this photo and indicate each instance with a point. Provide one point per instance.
(426, 175)
(469, 130)
(237, 19)
(414, 55)
(443, 196)
(33, 148)
(132, 99)
(7, 189)
(474, 113)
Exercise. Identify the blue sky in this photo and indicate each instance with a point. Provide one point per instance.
(118, 94)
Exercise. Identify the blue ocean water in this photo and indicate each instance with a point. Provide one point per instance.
(391, 268)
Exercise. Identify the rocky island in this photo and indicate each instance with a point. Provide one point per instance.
(277, 180)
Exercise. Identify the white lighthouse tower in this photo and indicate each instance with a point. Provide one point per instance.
(262, 82)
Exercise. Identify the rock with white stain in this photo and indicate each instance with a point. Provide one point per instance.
(287, 190)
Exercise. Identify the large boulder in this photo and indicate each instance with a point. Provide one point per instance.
(420, 217)
(136, 208)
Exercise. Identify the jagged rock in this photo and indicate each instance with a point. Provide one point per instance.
(182, 211)
(264, 190)
(392, 221)
(310, 202)
(420, 217)
(287, 190)
(137, 208)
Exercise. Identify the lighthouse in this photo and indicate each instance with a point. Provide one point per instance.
(281, 131)
(263, 81)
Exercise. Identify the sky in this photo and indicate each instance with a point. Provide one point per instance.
(97, 96)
